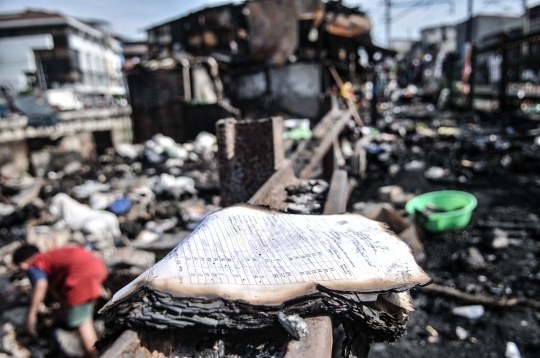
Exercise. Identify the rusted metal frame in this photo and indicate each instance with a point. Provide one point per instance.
(326, 144)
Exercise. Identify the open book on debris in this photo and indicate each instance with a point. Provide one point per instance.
(245, 257)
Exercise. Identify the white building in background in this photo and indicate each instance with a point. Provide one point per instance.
(17, 58)
(439, 38)
(51, 50)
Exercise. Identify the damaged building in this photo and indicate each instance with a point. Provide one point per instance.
(50, 50)
(257, 216)
(273, 58)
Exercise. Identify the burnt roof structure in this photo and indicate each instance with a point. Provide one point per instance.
(265, 31)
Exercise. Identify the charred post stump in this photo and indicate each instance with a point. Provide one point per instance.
(250, 152)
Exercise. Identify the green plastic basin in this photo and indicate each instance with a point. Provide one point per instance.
(458, 207)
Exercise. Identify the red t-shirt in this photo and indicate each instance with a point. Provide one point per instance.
(73, 272)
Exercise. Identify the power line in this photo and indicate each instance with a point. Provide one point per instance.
(525, 8)
(409, 6)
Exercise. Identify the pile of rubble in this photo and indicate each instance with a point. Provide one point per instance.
(484, 298)
(134, 203)
(130, 205)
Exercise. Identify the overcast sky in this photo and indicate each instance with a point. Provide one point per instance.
(131, 17)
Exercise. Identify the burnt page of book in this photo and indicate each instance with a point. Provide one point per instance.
(263, 257)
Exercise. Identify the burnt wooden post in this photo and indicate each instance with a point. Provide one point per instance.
(336, 202)
(250, 151)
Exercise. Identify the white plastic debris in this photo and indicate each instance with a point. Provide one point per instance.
(435, 173)
(10, 344)
(127, 150)
(100, 227)
(294, 324)
(142, 194)
(101, 201)
(160, 228)
(6, 210)
(501, 240)
(434, 335)
(145, 237)
(177, 152)
(163, 141)
(414, 165)
(88, 188)
(174, 162)
(204, 143)
(462, 333)
(173, 185)
(512, 350)
(470, 312)
(133, 257)
(69, 342)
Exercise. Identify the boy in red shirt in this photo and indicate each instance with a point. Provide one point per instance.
(75, 275)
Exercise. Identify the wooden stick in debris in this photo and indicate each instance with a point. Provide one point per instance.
(479, 298)
(508, 225)
(350, 104)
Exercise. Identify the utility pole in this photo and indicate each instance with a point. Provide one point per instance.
(526, 23)
(468, 29)
(388, 21)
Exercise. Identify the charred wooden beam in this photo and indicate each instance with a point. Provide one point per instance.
(127, 343)
(272, 193)
(326, 132)
(336, 203)
(317, 343)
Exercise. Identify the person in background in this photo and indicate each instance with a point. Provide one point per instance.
(75, 276)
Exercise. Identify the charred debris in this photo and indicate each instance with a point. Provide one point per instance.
(247, 60)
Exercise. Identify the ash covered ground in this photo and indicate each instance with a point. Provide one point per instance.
(493, 262)
(496, 256)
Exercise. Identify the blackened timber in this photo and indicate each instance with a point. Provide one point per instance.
(127, 342)
(317, 343)
(250, 151)
(272, 193)
(338, 119)
(336, 203)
